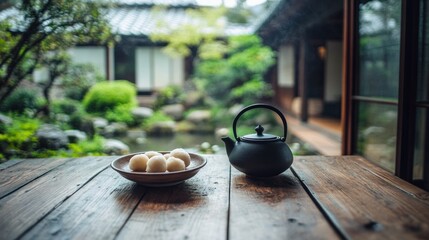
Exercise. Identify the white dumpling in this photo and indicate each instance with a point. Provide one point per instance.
(138, 162)
(175, 164)
(156, 164)
(167, 155)
(181, 154)
(150, 154)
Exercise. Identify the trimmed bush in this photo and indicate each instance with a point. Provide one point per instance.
(121, 113)
(66, 106)
(105, 96)
(22, 100)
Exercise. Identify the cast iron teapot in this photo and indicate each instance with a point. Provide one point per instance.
(260, 154)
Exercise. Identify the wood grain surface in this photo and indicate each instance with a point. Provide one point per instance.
(364, 201)
(97, 211)
(318, 198)
(25, 207)
(195, 209)
(274, 208)
(23, 172)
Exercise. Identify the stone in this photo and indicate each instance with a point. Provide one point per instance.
(174, 111)
(135, 133)
(63, 118)
(5, 120)
(141, 113)
(115, 129)
(115, 147)
(163, 128)
(221, 132)
(51, 137)
(235, 109)
(199, 116)
(99, 122)
(75, 136)
(193, 99)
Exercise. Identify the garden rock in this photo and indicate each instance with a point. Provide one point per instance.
(140, 113)
(163, 128)
(235, 109)
(51, 137)
(100, 123)
(199, 116)
(221, 132)
(75, 136)
(194, 99)
(115, 147)
(115, 129)
(5, 120)
(175, 111)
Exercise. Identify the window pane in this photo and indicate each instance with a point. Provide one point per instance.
(421, 145)
(379, 35)
(423, 63)
(377, 133)
(124, 63)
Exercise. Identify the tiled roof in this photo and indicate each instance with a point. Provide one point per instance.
(156, 2)
(138, 21)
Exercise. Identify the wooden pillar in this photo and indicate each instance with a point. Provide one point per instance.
(110, 67)
(302, 81)
(407, 90)
(349, 51)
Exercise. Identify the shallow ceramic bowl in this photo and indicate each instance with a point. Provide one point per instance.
(158, 179)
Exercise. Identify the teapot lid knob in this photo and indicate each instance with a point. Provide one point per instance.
(259, 130)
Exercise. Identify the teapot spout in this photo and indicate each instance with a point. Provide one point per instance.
(229, 144)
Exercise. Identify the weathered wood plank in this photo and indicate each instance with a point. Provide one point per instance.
(24, 172)
(28, 205)
(274, 208)
(10, 163)
(407, 187)
(366, 203)
(195, 209)
(97, 211)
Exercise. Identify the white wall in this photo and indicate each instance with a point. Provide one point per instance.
(162, 69)
(333, 71)
(143, 69)
(286, 66)
(95, 55)
(155, 69)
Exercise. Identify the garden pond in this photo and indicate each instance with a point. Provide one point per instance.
(203, 143)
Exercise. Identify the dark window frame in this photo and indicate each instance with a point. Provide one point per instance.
(406, 103)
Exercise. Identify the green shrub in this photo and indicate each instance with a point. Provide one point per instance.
(168, 95)
(241, 72)
(106, 96)
(78, 79)
(66, 106)
(154, 119)
(18, 139)
(22, 100)
(82, 121)
(121, 113)
(92, 147)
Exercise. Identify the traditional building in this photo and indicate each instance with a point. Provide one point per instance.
(372, 56)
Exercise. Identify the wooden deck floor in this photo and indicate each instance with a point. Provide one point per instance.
(324, 135)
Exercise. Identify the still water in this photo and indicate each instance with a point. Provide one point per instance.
(138, 142)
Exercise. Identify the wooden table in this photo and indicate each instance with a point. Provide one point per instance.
(318, 198)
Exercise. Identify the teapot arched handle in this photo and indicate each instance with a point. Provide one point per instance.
(260, 105)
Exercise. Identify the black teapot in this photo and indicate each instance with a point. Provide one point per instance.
(260, 154)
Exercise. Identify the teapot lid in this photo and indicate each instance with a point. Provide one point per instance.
(259, 136)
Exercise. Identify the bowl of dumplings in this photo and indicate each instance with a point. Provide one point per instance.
(159, 168)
